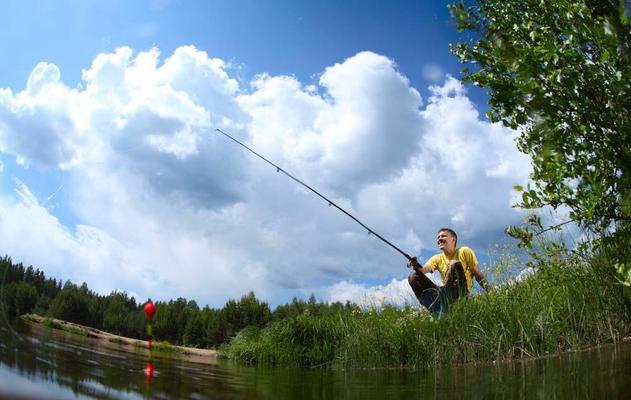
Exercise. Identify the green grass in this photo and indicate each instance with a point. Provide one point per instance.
(165, 347)
(30, 317)
(159, 346)
(66, 328)
(567, 305)
(53, 324)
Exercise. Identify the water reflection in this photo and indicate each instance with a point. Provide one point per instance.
(37, 362)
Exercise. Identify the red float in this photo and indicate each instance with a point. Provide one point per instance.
(150, 309)
(149, 370)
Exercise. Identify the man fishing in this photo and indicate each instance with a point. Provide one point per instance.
(457, 266)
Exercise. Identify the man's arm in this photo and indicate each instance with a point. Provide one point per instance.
(479, 276)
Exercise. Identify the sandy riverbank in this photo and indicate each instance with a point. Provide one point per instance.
(206, 356)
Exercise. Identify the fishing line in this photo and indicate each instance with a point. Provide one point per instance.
(331, 203)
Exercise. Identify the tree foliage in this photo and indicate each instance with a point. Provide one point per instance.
(71, 304)
(560, 72)
(24, 289)
(179, 321)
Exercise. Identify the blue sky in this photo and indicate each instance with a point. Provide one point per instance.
(109, 108)
(280, 37)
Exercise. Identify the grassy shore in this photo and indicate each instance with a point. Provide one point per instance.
(567, 305)
(159, 347)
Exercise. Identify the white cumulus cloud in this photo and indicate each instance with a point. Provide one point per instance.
(168, 207)
(396, 293)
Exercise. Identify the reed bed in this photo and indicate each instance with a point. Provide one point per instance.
(567, 305)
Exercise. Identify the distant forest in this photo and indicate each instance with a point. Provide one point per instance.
(180, 322)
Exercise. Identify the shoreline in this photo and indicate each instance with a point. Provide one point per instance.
(192, 354)
(209, 356)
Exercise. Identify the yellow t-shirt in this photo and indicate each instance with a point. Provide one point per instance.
(463, 254)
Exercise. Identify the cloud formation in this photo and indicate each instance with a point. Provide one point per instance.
(168, 206)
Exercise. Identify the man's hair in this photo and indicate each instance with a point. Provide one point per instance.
(451, 232)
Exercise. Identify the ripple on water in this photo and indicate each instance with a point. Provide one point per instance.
(45, 361)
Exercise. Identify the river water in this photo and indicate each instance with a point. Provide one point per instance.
(37, 362)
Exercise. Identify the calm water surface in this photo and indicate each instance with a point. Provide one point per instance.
(37, 362)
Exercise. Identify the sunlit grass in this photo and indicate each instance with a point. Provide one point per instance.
(50, 323)
(567, 305)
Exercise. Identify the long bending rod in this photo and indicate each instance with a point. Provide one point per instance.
(331, 203)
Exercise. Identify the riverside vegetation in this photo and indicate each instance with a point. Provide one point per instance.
(560, 74)
(182, 322)
(569, 304)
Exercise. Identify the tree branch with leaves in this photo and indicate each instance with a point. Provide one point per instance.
(560, 73)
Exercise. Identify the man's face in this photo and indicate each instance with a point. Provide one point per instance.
(445, 241)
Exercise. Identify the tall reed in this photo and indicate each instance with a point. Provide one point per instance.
(567, 305)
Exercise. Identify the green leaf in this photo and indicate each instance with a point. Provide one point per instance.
(559, 71)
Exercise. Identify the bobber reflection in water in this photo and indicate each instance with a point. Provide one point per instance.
(149, 371)
(150, 310)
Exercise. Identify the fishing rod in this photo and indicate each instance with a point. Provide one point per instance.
(331, 203)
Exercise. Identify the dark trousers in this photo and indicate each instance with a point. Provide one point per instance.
(436, 299)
